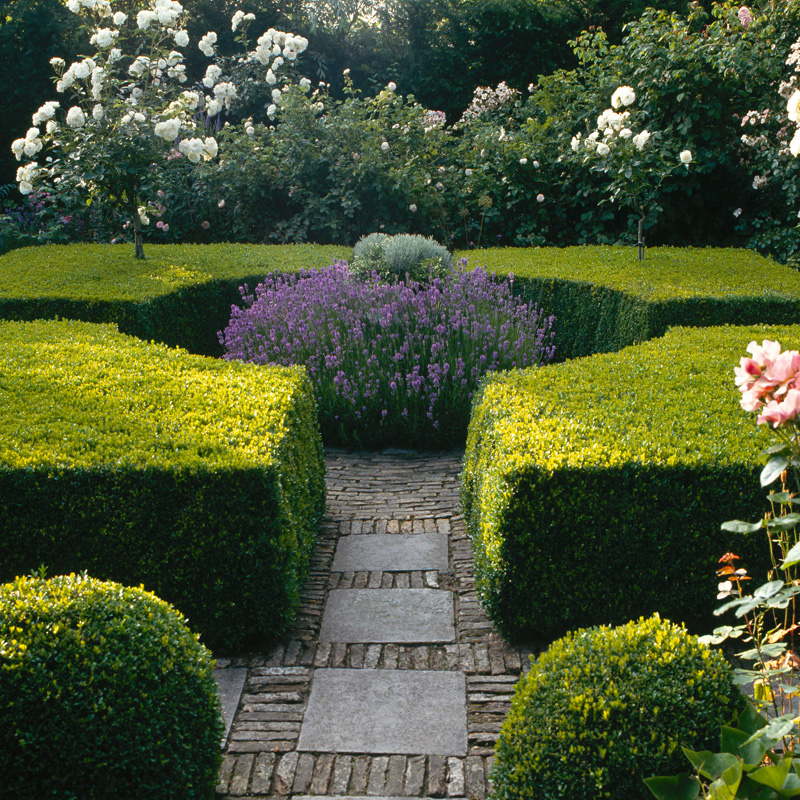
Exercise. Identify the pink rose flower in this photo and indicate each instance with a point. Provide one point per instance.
(745, 17)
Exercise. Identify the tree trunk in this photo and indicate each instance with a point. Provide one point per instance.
(138, 241)
(640, 243)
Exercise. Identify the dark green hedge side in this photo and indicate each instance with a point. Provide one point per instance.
(594, 490)
(604, 299)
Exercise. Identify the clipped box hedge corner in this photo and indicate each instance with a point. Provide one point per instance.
(180, 295)
(594, 490)
(604, 298)
(201, 479)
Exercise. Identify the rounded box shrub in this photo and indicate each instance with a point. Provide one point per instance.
(104, 693)
(603, 708)
(395, 257)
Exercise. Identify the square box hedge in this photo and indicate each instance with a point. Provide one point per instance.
(199, 478)
(594, 490)
(604, 298)
(180, 295)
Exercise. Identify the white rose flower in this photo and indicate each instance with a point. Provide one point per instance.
(250, 130)
(98, 112)
(206, 44)
(214, 107)
(468, 172)
(168, 129)
(271, 78)
(540, 198)
(143, 218)
(391, 86)
(686, 156)
(603, 149)
(210, 148)
(305, 84)
(575, 144)
(120, 18)
(52, 126)
(145, 18)
(45, 112)
(626, 133)
(212, 75)
(793, 105)
(641, 139)
(271, 109)
(623, 96)
(83, 69)
(181, 38)
(523, 160)
(385, 147)
(104, 37)
(413, 208)
(115, 54)
(276, 95)
(794, 145)
(139, 117)
(75, 117)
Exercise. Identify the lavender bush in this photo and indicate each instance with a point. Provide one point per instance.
(394, 363)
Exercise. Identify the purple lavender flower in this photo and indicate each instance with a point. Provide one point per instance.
(389, 362)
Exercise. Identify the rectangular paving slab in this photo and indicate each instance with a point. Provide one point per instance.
(407, 712)
(387, 552)
(230, 683)
(402, 616)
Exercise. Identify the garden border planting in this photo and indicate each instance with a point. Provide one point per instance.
(594, 490)
(604, 299)
(181, 295)
(201, 479)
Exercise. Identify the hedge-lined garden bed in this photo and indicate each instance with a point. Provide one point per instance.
(594, 490)
(201, 479)
(604, 299)
(181, 295)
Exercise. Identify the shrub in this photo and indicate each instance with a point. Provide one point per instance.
(389, 362)
(594, 490)
(104, 693)
(200, 479)
(181, 295)
(603, 299)
(605, 707)
(405, 256)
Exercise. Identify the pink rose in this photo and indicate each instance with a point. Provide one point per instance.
(745, 17)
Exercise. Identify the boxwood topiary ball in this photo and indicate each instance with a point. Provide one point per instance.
(605, 708)
(104, 693)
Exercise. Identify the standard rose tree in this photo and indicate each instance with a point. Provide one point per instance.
(635, 163)
(126, 112)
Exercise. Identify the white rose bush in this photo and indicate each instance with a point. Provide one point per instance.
(126, 112)
(635, 164)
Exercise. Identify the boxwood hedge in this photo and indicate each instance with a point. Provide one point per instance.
(604, 299)
(104, 694)
(199, 478)
(181, 295)
(594, 490)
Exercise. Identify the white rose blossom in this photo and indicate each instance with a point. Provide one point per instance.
(181, 38)
(120, 19)
(623, 96)
(76, 117)
(685, 157)
(641, 139)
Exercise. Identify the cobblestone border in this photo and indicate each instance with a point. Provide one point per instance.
(373, 494)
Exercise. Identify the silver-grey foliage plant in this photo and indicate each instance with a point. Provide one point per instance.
(401, 257)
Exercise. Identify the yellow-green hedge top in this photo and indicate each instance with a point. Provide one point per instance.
(666, 273)
(670, 401)
(81, 395)
(110, 272)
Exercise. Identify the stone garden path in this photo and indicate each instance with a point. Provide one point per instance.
(392, 682)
